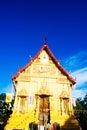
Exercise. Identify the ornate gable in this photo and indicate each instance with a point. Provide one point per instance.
(45, 57)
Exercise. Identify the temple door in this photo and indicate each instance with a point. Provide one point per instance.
(44, 110)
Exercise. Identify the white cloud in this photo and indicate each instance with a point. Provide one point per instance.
(78, 93)
(76, 61)
(81, 86)
(81, 76)
(77, 64)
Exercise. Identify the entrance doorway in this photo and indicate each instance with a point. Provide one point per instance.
(44, 110)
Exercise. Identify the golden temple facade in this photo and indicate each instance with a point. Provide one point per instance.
(43, 94)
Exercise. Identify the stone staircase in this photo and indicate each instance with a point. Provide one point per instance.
(18, 121)
(22, 121)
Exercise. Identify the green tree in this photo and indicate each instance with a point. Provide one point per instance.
(80, 110)
(85, 102)
(2, 96)
(79, 105)
(5, 110)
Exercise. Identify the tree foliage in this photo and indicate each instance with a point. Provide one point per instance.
(5, 110)
(80, 110)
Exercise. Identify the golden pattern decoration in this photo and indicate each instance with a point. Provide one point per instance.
(44, 91)
(64, 94)
(22, 92)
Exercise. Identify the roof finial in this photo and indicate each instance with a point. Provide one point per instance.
(30, 57)
(45, 40)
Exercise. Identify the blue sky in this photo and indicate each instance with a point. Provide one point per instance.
(25, 23)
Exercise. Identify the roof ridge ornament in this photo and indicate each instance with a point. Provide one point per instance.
(45, 41)
(31, 58)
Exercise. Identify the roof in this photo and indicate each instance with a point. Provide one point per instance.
(57, 63)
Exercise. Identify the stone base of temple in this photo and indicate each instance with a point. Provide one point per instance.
(19, 121)
(23, 120)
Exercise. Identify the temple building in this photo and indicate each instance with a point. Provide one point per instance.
(43, 94)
